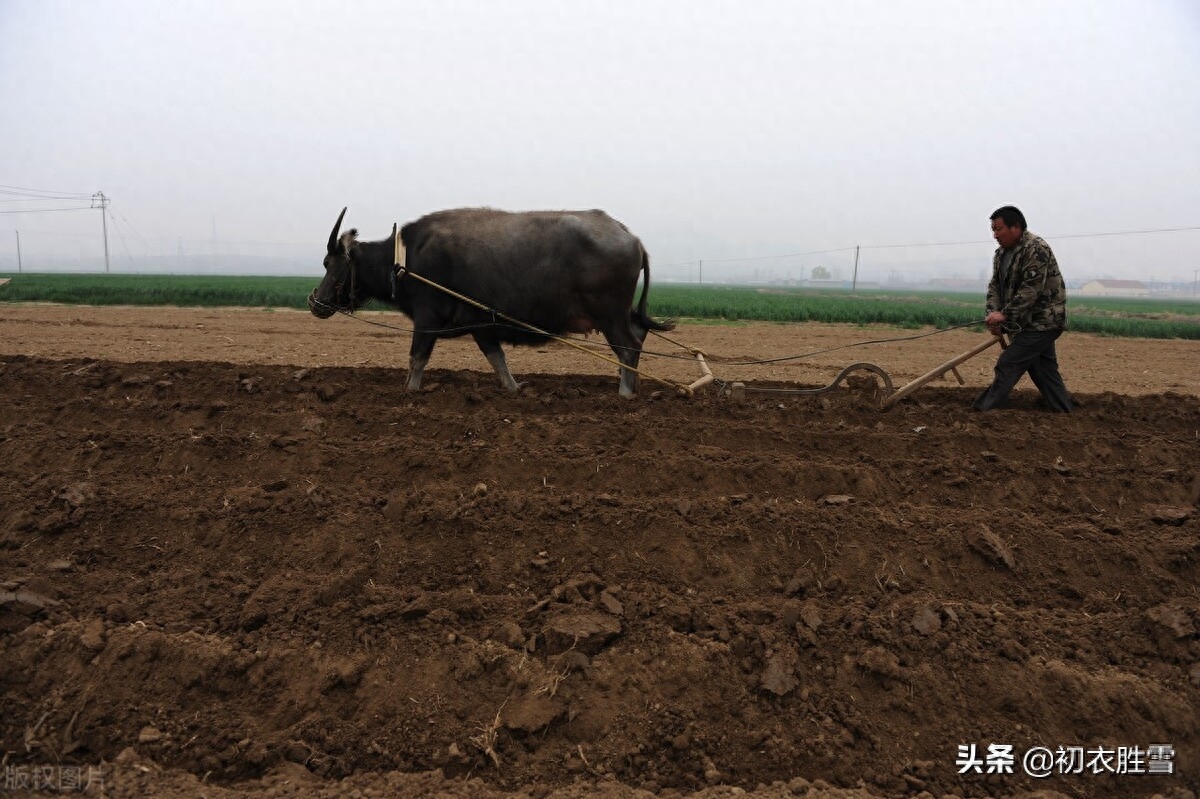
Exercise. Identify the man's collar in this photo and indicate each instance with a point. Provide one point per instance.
(1025, 234)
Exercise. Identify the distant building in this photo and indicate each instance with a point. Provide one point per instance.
(957, 284)
(1114, 288)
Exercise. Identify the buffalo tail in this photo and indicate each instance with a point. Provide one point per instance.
(645, 320)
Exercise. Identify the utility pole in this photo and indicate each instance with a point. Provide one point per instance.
(101, 202)
(701, 262)
(18, 250)
(854, 281)
(1195, 279)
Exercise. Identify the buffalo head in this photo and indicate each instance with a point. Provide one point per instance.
(338, 291)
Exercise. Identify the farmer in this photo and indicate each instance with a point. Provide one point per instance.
(1027, 298)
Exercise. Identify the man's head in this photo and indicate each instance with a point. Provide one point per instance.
(1008, 223)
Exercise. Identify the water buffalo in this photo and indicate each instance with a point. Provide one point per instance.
(560, 271)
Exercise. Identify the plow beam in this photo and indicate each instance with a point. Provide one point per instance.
(949, 366)
(707, 377)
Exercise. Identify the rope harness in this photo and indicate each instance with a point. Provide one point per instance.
(399, 270)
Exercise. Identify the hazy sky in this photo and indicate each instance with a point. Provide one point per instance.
(714, 130)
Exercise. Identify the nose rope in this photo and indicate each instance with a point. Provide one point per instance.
(337, 290)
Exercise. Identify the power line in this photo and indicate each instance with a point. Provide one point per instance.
(43, 193)
(132, 231)
(37, 195)
(1048, 236)
(1126, 232)
(121, 236)
(925, 244)
(98, 200)
(13, 197)
(50, 210)
(771, 257)
(932, 244)
(43, 199)
(754, 258)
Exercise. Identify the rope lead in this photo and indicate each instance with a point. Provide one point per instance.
(525, 325)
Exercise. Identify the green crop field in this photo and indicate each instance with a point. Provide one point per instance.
(911, 309)
(1141, 318)
(183, 290)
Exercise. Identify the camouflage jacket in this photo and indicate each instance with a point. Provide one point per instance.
(1032, 294)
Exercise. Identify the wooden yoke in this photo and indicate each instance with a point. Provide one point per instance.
(949, 366)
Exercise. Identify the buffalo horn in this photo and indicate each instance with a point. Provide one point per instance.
(334, 235)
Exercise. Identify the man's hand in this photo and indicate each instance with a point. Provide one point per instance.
(994, 321)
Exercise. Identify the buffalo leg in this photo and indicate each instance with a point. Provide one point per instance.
(418, 356)
(640, 331)
(628, 348)
(495, 355)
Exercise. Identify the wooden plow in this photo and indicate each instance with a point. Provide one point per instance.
(737, 391)
(706, 376)
(949, 366)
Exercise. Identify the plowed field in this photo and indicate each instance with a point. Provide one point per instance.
(237, 559)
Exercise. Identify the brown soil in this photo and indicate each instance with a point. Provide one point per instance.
(237, 559)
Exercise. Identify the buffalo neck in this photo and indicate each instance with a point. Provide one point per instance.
(374, 261)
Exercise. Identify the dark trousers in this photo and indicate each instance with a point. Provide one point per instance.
(1030, 351)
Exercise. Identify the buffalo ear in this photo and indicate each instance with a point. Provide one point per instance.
(348, 243)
